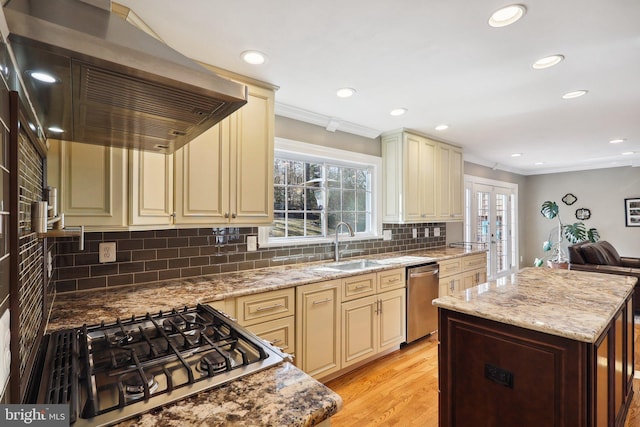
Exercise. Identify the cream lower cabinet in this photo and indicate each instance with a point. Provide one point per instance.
(225, 175)
(91, 182)
(462, 273)
(372, 324)
(374, 320)
(318, 328)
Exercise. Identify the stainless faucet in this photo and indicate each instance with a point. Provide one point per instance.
(351, 233)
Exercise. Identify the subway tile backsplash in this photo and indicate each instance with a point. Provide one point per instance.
(157, 255)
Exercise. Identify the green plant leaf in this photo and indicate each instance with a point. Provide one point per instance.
(538, 262)
(593, 235)
(575, 232)
(546, 246)
(549, 209)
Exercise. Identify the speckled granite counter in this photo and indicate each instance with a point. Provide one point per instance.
(279, 396)
(571, 304)
(72, 310)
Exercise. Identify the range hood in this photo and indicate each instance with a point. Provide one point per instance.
(114, 84)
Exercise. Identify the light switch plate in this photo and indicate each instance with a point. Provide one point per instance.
(415, 233)
(436, 231)
(107, 252)
(252, 243)
(426, 232)
(386, 234)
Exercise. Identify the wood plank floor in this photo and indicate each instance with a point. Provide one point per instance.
(401, 389)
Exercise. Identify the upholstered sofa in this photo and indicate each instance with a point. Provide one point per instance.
(602, 257)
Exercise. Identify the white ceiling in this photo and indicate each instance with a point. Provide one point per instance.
(441, 61)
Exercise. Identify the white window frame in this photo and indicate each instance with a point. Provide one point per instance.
(298, 150)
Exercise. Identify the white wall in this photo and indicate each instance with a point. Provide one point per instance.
(602, 191)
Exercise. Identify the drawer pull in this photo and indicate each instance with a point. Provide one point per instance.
(270, 307)
(321, 301)
(361, 286)
(395, 279)
(277, 340)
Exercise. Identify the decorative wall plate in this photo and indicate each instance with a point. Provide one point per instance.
(583, 213)
(569, 199)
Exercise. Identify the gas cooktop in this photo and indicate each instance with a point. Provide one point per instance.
(113, 371)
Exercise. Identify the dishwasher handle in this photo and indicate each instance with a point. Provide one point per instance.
(433, 272)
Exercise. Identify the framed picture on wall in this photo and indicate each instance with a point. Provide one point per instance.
(632, 212)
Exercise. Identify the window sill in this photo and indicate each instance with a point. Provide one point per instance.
(344, 238)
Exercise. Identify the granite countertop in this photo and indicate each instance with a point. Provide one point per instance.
(570, 304)
(279, 396)
(74, 309)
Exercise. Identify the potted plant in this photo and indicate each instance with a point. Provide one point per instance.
(574, 233)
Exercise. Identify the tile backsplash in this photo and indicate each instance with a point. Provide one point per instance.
(156, 255)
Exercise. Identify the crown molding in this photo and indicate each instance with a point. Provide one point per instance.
(331, 124)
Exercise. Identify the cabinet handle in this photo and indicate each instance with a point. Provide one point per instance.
(277, 340)
(451, 284)
(395, 279)
(321, 301)
(233, 215)
(226, 214)
(361, 286)
(270, 307)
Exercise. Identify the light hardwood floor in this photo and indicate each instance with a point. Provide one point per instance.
(401, 389)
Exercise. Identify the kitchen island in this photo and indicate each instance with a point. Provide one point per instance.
(541, 347)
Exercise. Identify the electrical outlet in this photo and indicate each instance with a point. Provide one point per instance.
(386, 235)
(252, 243)
(436, 231)
(415, 233)
(107, 252)
(426, 232)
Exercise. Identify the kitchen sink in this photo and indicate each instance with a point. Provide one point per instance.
(355, 265)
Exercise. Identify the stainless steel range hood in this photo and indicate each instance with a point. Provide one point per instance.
(115, 85)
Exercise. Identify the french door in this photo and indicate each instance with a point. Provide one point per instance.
(490, 218)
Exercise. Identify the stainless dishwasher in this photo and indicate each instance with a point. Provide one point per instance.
(422, 288)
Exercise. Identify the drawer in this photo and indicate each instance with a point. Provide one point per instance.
(449, 267)
(391, 279)
(252, 309)
(279, 332)
(358, 286)
(473, 262)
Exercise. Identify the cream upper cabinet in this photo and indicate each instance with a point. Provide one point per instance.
(423, 179)
(91, 182)
(450, 182)
(151, 188)
(409, 176)
(225, 176)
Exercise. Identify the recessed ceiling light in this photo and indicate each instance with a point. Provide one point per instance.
(398, 111)
(55, 129)
(507, 15)
(539, 163)
(617, 141)
(442, 127)
(42, 76)
(628, 153)
(345, 92)
(516, 155)
(574, 94)
(548, 61)
(253, 57)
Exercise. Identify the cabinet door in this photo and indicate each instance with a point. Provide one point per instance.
(91, 181)
(359, 329)
(392, 181)
(318, 328)
(450, 284)
(251, 153)
(392, 319)
(202, 178)
(450, 183)
(151, 188)
(419, 178)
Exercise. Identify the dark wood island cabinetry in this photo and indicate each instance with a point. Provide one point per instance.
(540, 348)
